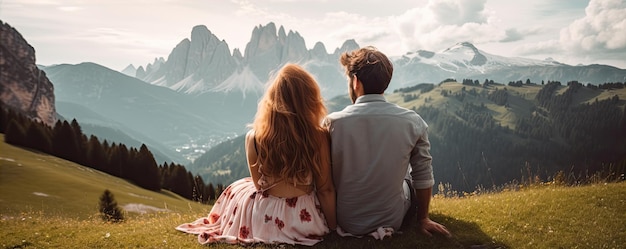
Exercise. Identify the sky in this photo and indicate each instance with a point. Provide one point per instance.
(116, 33)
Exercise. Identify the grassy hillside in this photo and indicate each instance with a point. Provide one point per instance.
(520, 100)
(46, 202)
(39, 183)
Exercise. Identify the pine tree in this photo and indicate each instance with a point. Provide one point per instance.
(96, 155)
(146, 172)
(211, 192)
(108, 208)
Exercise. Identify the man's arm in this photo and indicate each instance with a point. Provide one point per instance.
(426, 225)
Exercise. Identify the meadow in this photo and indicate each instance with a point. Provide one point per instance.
(47, 202)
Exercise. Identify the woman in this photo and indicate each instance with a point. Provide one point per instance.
(290, 196)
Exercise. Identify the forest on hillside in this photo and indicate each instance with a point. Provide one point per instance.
(66, 140)
(471, 150)
(474, 151)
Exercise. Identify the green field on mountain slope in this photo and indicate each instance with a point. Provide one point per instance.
(47, 202)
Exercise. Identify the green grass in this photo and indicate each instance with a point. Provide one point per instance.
(35, 182)
(541, 216)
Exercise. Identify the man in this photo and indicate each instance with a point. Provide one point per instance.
(373, 144)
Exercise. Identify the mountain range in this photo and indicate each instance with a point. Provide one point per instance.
(203, 94)
(203, 67)
(204, 63)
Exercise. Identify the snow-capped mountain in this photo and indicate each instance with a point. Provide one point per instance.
(465, 61)
(465, 56)
(204, 64)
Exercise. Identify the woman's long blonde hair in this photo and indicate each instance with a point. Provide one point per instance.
(288, 128)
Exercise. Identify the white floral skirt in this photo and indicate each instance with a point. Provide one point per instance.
(244, 215)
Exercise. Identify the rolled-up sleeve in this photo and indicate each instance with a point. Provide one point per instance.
(421, 163)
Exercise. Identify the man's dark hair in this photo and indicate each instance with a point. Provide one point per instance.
(370, 66)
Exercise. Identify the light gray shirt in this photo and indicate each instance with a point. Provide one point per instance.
(373, 142)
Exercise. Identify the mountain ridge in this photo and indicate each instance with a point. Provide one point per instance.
(270, 47)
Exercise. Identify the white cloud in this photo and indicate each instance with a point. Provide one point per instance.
(441, 24)
(603, 28)
(597, 37)
(458, 12)
(115, 32)
(543, 47)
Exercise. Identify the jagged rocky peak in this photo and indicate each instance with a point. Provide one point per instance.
(319, 51)
(347, 46)
(23, 86)
(203, 39)
(174, 68)
(294, 49)
(201, 50)
(140, 73)
(281, 34)
(237, 55)
(130, 70)
(264, 37)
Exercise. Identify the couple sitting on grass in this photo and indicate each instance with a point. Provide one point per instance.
(365, 170)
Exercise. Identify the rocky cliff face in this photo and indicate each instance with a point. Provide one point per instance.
(193, 65)
(23, 86)
(204, 63)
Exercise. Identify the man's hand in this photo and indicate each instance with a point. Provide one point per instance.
(428, 227)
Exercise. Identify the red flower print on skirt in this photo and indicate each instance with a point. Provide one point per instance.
(213, 218)
(227, 192)
(305, 216)
(235, 210)
(291, 202)
(279, 223)
(267, 218)
(244, 232)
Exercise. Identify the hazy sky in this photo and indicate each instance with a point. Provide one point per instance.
(116, 33)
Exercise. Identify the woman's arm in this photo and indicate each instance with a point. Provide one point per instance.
(251, 156)
(325, 187)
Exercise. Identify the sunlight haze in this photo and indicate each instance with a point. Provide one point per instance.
(118, 33)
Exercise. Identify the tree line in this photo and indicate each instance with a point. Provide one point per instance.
(66, 140)
(470, 148)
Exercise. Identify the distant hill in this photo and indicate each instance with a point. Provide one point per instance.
(171, 119)
(485, 136)
(106, 129)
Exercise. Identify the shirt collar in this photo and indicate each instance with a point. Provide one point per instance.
(370, 98)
